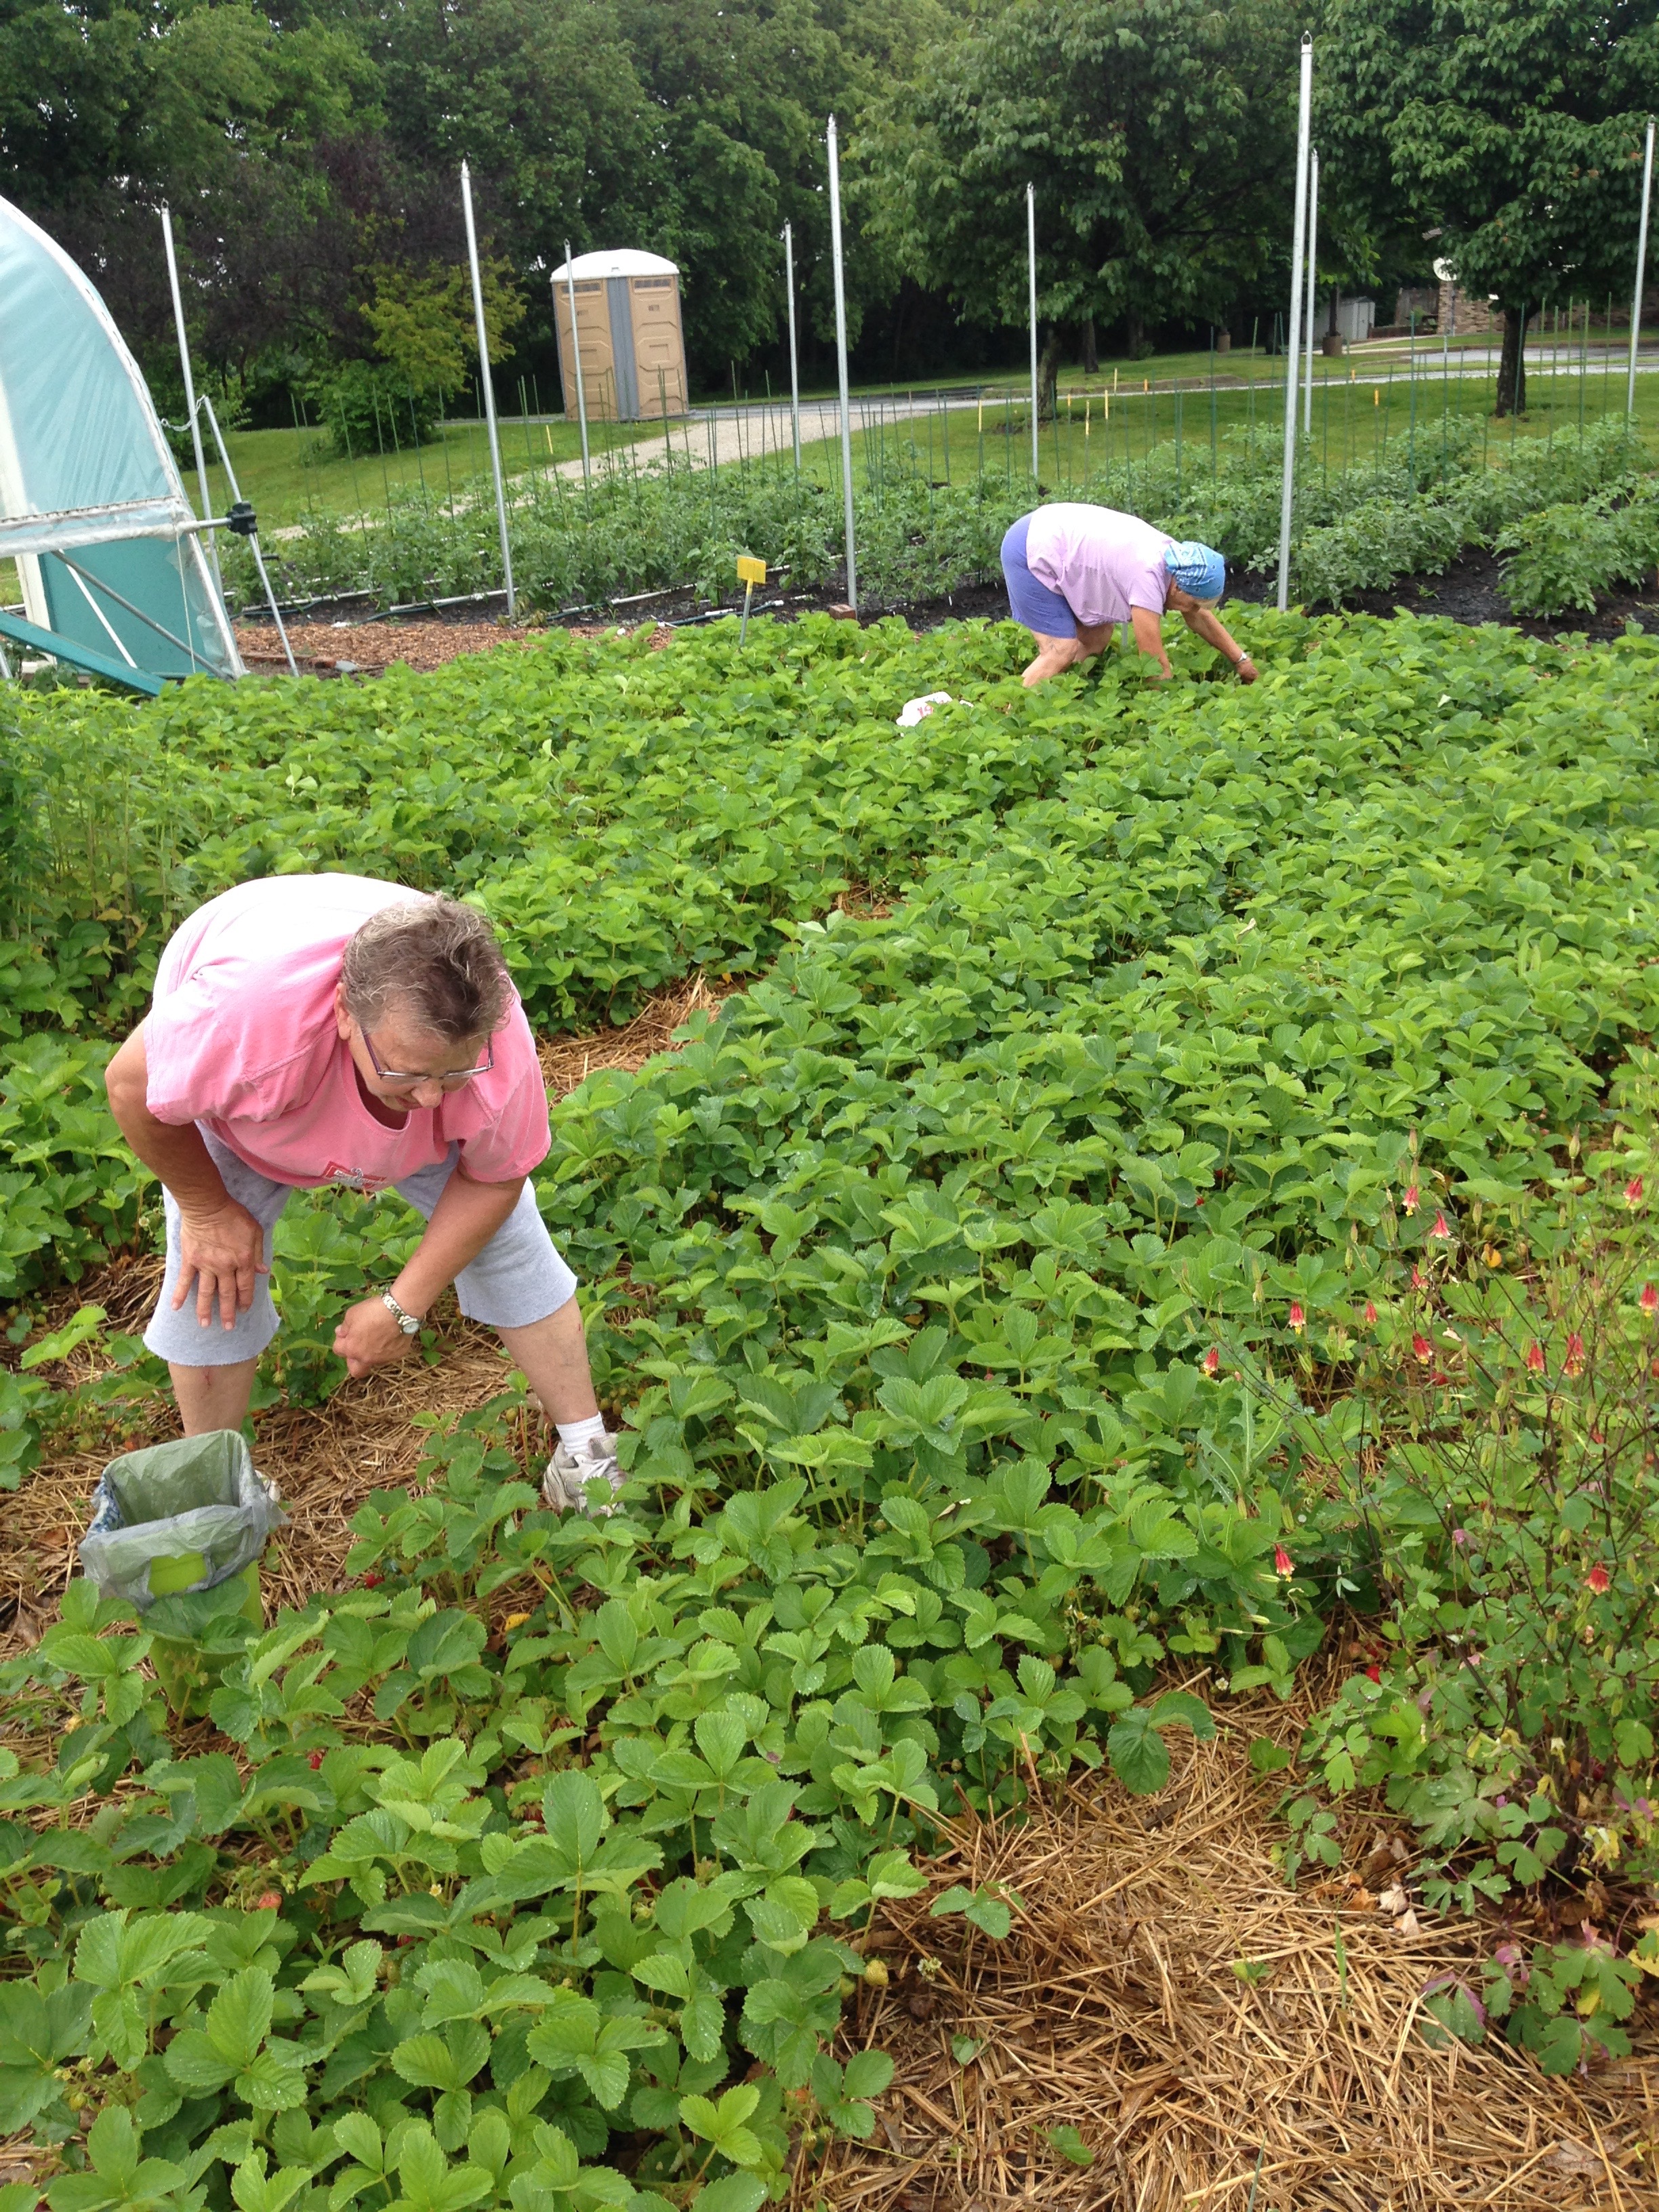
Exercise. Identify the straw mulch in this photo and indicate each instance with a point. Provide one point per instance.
(1113, 2006)
(567, 1061)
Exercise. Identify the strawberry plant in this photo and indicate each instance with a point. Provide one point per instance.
(933, 1283)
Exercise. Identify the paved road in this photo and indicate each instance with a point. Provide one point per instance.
(710, 437)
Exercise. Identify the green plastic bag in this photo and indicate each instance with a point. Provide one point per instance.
(183, 1515)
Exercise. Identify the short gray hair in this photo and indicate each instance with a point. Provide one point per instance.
(438, 958)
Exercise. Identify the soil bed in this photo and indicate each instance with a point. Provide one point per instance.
(1467, 593)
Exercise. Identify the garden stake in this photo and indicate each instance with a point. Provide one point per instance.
(750, 572)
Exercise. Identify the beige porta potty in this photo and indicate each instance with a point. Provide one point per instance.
(628, 325)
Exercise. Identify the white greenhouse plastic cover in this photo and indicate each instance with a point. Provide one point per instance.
(92, 509)
(627, 261)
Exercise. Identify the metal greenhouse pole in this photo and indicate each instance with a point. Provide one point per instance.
(1031, 272)
(1641, 269)
(1299, 233)
(841, 358)
(1312, 249)
(576, 354)
(184, 363)
(794, 367)
(489, 386)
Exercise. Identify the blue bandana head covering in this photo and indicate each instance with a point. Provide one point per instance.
(1197, 568)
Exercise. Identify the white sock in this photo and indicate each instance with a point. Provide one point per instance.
(577, 1436)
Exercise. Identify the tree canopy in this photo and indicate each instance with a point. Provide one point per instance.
(1159, 135)
(309, 151)
(1508, 132)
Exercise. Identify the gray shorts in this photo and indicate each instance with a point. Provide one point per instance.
(516, 1278)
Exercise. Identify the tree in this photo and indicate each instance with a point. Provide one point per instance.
(1157, 134)
(425, 325)
(1507, 131)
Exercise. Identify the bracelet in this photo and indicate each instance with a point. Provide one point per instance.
(406, 1321)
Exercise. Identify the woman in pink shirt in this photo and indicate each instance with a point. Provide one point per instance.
(1074, 573)
(313, 1030)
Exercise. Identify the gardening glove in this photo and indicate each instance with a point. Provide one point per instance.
(564, 1487)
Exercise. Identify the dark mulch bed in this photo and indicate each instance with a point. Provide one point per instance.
(1467, 593)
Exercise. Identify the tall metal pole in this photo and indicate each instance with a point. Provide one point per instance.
(841, 361)
(1641, 269)
(576, 355)
(1030, 270)
(189, 381)
(794, 369)
(1313, 250)
(1298, 235)
(489, 387)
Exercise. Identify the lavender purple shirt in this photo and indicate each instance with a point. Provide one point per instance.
(1100, 561)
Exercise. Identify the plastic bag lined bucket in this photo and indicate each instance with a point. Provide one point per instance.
(187, 1516)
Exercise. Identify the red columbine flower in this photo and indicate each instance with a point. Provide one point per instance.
(1598, 1579)
(1283, 1563)
(1423, 1348)
(1648, 1300)
(1633, 1193)
(1535, 1358)
(1298, 1319)
(1574, 1362)
(1411, 1198)
(1440, 1229)
(1419, 1280)
(1211, 1362)
(1370, 1315)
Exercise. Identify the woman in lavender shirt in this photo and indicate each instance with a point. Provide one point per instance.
(1074, 573)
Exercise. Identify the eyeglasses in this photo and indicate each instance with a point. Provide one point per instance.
(451, 1079)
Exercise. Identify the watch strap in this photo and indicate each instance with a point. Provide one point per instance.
(406, 1321)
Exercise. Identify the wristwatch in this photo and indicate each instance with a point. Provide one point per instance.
(406, 1321)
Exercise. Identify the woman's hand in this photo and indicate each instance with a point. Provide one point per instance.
(222, 1251)
(369, 1336)
(1246, 667)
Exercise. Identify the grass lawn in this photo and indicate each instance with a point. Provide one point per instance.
(290, 475)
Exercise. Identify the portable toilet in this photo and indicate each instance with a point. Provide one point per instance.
(627, 326)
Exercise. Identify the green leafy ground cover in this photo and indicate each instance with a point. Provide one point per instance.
(1191, 1216)
(1412, 510)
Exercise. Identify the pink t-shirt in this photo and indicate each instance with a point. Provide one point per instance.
(241, 1038)
(1100, 561)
